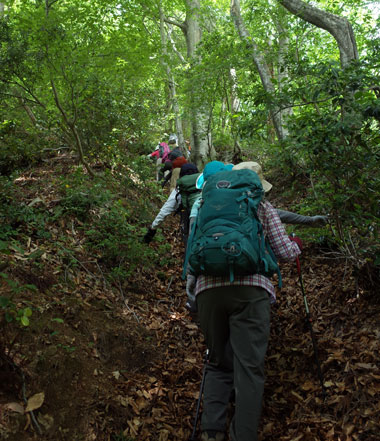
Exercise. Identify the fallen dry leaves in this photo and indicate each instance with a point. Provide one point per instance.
(136, 375)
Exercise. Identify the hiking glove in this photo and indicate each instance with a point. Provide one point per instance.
(297, 240)
(191, 303)
(149, 235)
(320, 220)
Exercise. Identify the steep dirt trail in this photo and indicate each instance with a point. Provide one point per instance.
(124, 363)
(347, 329)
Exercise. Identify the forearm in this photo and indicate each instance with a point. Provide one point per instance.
(169, 207)
(287, 217)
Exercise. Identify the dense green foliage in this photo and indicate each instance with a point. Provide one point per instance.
(335, 142)
(91, 77)
(107, 215)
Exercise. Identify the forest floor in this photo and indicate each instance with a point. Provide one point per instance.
(107, 363)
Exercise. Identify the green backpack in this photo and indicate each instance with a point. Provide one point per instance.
(228, 237)
(188, 191)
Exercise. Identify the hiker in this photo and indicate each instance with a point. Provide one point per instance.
(160, 154)
(174, 174)
(180, 200)
(175, 149)
(234, 312)
(166, 170)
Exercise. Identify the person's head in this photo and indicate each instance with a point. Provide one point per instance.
(254, 166)
(210, 169)
(188, 169)
(172, 139)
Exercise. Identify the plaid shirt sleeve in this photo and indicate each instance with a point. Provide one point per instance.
(274, 230)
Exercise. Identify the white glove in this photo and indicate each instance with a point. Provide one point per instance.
(191, 303)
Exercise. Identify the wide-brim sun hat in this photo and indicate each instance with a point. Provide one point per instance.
(254, 166)
(210, 169)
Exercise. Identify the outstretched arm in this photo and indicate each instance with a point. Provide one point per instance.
(287, 217)
(169, 207)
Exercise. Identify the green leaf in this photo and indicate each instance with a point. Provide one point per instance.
(27, 312)
(25, 320)
(17, 248)
(35, 254)
(3, 245)
(58, 320)
(8, 317)
(4, 301)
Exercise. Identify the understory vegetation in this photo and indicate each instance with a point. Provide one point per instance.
(87, 91)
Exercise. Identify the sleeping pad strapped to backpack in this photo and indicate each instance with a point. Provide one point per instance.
(228, 237)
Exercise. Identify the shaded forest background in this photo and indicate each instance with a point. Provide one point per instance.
(88, 89)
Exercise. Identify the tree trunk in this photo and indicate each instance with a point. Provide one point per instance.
(171, 82)
(1, 9)
(260, 63)
(339, 27)
(72, 127)
(201, 147)
(235, 101)
(282, 68)
(28, 111)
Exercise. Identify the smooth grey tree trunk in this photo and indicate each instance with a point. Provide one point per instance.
(261, 64)
(235, 101)
(339, 27)
(171, 82)
(282, 69)
(201, 147)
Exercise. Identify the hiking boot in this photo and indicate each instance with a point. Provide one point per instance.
(212, 436)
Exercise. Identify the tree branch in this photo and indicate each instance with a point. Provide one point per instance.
(180, 56)
(181, 25)
(339, 27)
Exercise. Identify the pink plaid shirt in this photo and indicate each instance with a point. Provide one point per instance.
(282, 246)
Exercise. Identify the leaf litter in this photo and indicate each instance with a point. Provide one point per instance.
(114, 369)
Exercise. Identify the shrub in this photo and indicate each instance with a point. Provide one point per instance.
(336, 145)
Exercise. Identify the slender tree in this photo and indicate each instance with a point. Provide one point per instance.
(201, 136)
(261, 65)
(171, 79)
(201, 147)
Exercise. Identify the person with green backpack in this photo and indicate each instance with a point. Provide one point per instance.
(232, 253)
(180, 200)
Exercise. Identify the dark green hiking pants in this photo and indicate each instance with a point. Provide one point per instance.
(235, 323)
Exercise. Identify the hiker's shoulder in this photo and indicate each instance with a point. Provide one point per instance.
(266, 210)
